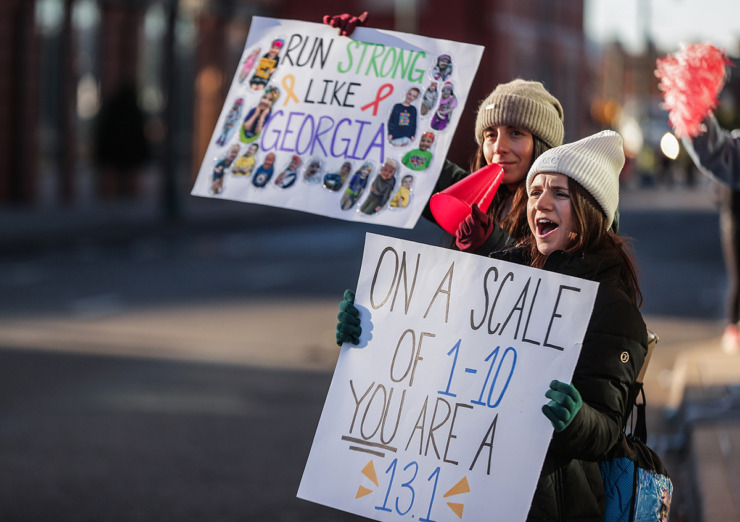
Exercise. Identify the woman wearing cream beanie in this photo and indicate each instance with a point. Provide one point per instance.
(594, 162)
(573, 194)
(517, 122)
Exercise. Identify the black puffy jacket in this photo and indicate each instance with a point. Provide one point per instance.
(614, 348)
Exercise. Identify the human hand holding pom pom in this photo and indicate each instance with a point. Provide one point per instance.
(691, 80)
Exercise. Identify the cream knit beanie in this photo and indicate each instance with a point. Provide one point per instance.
(523, 104)
(594, 162)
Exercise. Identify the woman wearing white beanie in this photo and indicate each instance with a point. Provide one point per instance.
(573, 191)
(572, 196)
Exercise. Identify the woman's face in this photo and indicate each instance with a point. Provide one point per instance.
(550, 213)
(510, 147)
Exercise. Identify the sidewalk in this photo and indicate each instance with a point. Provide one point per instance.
(706, 398)
(715, 451)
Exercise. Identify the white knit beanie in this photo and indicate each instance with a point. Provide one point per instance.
(594, 162)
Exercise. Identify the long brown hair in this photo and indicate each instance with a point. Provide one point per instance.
(592, 236)
(515, 222)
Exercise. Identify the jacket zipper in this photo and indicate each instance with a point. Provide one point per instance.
(559, 498)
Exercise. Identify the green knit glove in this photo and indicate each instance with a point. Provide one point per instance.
(565, 401)
(348, 327)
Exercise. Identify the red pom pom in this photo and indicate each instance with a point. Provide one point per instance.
(691, 80)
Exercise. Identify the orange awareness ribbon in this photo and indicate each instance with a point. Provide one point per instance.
(289, 85)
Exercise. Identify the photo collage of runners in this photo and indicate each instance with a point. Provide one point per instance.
(412, 127)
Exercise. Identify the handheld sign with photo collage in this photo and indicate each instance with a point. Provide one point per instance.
(436, 414)
(354, 128)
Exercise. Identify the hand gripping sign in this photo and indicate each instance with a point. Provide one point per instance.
(436, 414)
(361, 103)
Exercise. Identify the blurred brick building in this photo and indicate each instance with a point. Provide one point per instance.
(63, 61)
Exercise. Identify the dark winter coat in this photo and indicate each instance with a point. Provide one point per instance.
(716, 152)
(614, 348)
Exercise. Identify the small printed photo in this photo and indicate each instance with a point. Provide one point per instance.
(265, 171)
(335, 180)
(402, 120)
(381, 188)
(244, 165)
(429, 98)
(267, 66)
(356, 186)
(403, 196)
(258, 116)
(248, 64)
(419, 159)
(288, 177)
(231, 122)
(447, 104)
(312, 174)
(219, 169)
(442, 70)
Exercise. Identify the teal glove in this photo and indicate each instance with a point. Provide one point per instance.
(565, 401)
(348, 327)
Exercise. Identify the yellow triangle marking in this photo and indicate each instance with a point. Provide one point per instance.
(369, 472)
(460, 487)
(457, 508)
(362, 491)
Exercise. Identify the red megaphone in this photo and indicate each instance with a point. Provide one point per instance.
(451, 206)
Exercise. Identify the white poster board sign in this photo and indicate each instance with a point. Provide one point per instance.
(312, 118)
(436, 414)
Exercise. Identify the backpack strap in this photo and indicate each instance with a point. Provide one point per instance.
(639, 430)
(636, 411)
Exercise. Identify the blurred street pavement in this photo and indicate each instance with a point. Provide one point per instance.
(176, 371)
